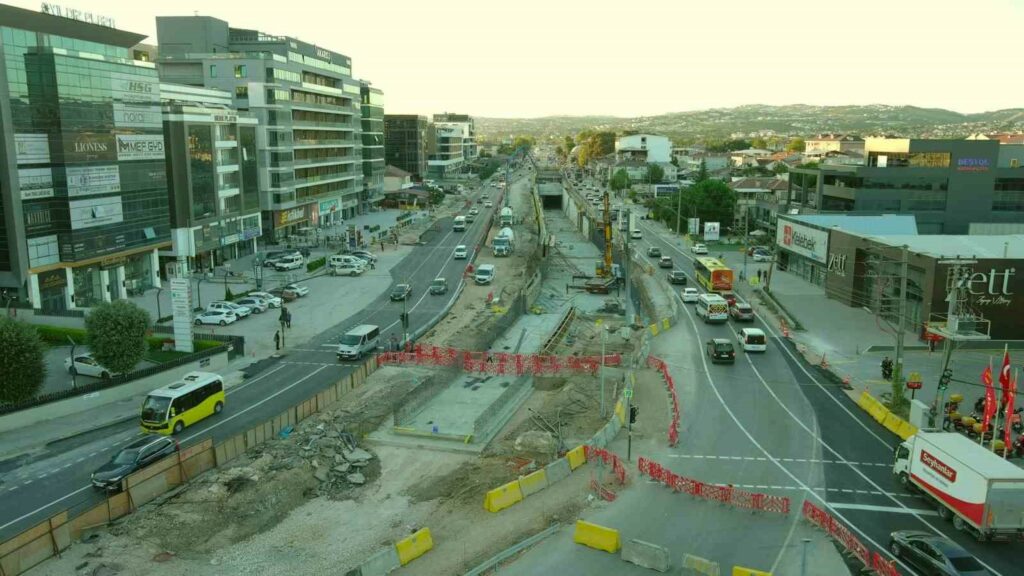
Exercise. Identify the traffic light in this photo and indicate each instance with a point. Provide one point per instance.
(633, 411)
(947, 376)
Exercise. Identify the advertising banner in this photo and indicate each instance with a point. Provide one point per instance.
(136, 90)
(95, 212)
(89, 147)
(181, 307)
(128, 115)
(140, 147)
(35, 183)
(711, 231)
(91, 180)
(693, 226)
(286, 217)
(803, 240)
(32, 148)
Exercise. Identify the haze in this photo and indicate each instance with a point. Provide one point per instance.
(539, 58)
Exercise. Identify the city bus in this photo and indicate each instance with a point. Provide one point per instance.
(170, 409)
(713, 275)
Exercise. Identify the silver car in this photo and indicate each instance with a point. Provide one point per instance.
(257, 305)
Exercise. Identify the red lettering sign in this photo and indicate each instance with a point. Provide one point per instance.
(939, 466)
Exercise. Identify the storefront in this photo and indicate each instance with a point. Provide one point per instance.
(327, 213)
(802, 249)
(287, 222)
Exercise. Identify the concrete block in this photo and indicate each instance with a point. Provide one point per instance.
(646, 555)
(381, 563)
(611, 430)
(533, 483)
(598, 441)
(698, 565)
(557, 470)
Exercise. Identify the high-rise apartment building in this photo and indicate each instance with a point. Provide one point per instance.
(373, 145)
(84, 180)
(466, 127)
(305, 100)
(407, 142)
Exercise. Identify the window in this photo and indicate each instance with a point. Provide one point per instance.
(241, 71)
(1008, 201)
(241, 91)
(213, 70)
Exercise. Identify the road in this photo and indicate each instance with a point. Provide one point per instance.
(59, 479)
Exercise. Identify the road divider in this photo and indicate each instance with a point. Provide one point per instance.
(850, 543)
(498, 363)
(596, 536)
(673, 429)
(885, 417)
(700, 565)
(729, 495)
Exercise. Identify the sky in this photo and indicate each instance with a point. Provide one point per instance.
(535, 58)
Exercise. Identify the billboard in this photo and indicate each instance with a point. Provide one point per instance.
(35, 183)
(693, 226)
(91, 180)
(712, 231)
(127, 115)
(95, 212)
(994, 290)
(140, 147)
(32, 148)
(803, 240)
(89, 147)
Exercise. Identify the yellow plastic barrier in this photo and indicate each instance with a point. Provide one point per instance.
(576, 457)
(414, 546)
(878, 412)
(620, 411)
(503, 496)
(865, 401)
(666, 323)
(741, 571)
(597, 537)
(906, 430)
(654, 329)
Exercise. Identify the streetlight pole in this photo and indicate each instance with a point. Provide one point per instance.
(679, 211)
(74, 372)
(897, 375)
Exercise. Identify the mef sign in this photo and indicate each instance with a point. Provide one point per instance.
(803, 240)
(140, 147)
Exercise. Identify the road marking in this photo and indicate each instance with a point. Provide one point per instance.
(763, 459)
(893, 509)
(324, 364)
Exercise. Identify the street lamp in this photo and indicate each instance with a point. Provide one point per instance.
(158, 312)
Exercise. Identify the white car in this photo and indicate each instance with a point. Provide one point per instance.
(488, 204)
(221, 317)
(257, 305)
(461, 252)
(86, 365)
(293, 262)
(473, 211)
(762, 257)
(297, 289)
(699, 249)
(238, 310)
(689, 294)
(348, 269)
(270, 299)
(363, 254)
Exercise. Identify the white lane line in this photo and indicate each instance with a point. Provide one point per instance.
(26, 483)
(763, 459)
(893, 509)
(245, 383)
(44, 507)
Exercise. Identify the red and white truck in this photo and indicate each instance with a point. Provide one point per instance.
(981, 492)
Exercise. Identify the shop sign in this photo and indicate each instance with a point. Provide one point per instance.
(837, 264)
(32, 148)
(95, 212)
(225, 118)
(991, 287)
(113, 262)
(250, 233)
(136, 116)
(75, 14)
(53, 279)
(229, 239)
(91, 180)
(89, 147)
(802, 240)
(35, 183)
(973, 164)
(712, 230)
(329, 206)
(140, 147)
(286, 217)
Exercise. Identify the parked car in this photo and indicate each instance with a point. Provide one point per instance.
(86, 365)
(741, 312)
(291, 262)
(270, 299)
(654, 252)
(699, 249)
(677, 277)
(665, 262)
(349, 268)
(690, 294)
(237, 309)
(296, 290)
(762, 257)
(439, 286)
(364, 255)
(933, 554)
(221, 317)
(257, 305)
(401, 292)
(271, 258)
(721, 350)
(135, 456)
(461, 252)
(754, 249)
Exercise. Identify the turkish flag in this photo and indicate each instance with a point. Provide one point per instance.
(1008, 434)
(990, 398)
(1004, 375)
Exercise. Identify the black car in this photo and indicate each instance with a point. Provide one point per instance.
(132, 457)
(677, 277)
(721, 350)
(933, 554)
(654, 252)
(401, 292)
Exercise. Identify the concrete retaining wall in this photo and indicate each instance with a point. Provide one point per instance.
(646, 555)
(484, 421)
(91, 401)
(557, 470)
(409, 405)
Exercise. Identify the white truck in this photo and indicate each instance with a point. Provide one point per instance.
(504, 243)
(981, 492)
(506, 216)
(459, 225)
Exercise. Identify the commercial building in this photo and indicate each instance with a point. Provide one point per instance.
(466, 126)
(213, 173)
(645, 148)
(446, 157)
(307, 105)
(946, 184)
(84, 179)
(373, 146)
(407, 142)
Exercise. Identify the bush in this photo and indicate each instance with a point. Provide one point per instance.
(315, 265)
(58, 335)
(228, 294)
(22, 369)
(117, 334)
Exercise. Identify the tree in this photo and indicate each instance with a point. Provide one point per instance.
(715, 202)
(796, 145)
(759, 143)
(568, 144)
(117, 334)
(702, 171)
(619, 180)
(582, 157)
(22, 369)
(780, 168)
(655, 173)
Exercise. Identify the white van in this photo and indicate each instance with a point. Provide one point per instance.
(459, 225)
(752, 340)
(636, 235)
(345, 265)
(484, 274)
(712, 308)
(358, 341)
(293, 262)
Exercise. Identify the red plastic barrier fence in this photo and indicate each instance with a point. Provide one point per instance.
(714, 492)
(608, 458)
(844, 536)
(673, 429)
(882, 566)
(498, 363)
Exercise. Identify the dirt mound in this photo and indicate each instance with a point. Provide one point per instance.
(467, 482)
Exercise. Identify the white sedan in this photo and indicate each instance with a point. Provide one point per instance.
(298, 289)
(273, 301)
(461, 252)
(762, 257)
(253, 303)
(86, 365)
(221, 317)
(699, 249)
(689, 294)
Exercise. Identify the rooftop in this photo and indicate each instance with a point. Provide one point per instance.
(903, 225)
(940, 246)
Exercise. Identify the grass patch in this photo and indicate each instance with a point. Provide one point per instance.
(158, 355)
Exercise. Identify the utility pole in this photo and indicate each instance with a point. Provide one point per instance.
(679, 211)
(625, 266)
(901, 327)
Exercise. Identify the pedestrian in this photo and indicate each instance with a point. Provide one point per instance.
(288, 318)
(381, 245)
(373, 266)
(277, 340)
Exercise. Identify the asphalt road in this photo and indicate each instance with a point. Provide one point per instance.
(60, 477)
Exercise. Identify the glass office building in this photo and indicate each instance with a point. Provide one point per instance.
(85, 186)
(373, 145)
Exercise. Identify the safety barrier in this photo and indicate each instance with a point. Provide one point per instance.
(741, 571)
(609, 458)
(596, 536)
(883, 416)
(661, 326)
(723, 494)
(499, 363)
(646, 555)
(525, 486)
(673, 429)
(701, 565)
(853, 546)
(414, 546)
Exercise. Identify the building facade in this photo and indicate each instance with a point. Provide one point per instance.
(373, 146)
(447, 157)
(307, 105)
(466, 127)
(213, 174)
(945, 184)
(407, 145)
(645, 148)
(84, 183)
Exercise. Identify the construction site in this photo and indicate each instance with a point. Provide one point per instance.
(514, 376)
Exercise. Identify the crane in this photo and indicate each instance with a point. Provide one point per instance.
(604, 267)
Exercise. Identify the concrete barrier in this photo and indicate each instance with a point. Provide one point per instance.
(381, 563)
(700, 565)
(533, 483)
(646, 555)
(502, 497)
(596, 536)
(414, 546)
(557, 471)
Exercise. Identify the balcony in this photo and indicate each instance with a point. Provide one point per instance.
(322, 124)
(328, 161)
(323, 179)
(299, 144)
(315, 107)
